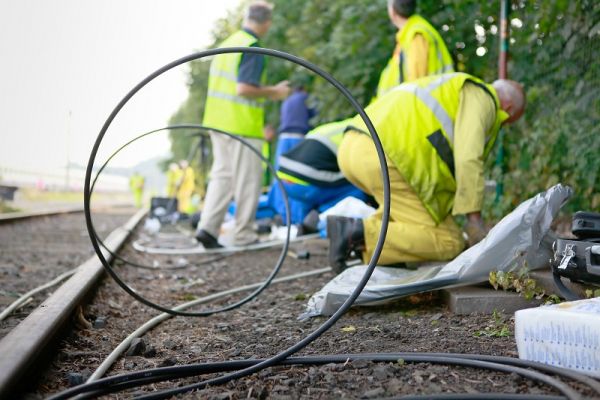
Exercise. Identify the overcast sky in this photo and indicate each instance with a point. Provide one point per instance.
(65, 64)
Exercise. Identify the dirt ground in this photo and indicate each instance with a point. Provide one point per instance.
(269, 324)
(35, 251)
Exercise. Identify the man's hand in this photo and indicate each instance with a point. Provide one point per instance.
(475, 229)
(269, 133)
(280, 91)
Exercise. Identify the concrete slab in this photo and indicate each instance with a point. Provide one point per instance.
(484, 299)
(481, 299)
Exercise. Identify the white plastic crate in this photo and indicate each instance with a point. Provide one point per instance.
(564, 335)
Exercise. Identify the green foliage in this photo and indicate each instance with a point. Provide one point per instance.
(496, 328)
(555, 55)
(188, 297)
(521, 283)
(301, 297)
(553, 51)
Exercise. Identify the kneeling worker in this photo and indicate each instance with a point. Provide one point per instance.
(436, 133)
(311, 176)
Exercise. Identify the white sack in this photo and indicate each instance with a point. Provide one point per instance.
(515, 241)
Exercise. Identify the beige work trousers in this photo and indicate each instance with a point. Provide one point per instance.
(412, 234)
(236, 173)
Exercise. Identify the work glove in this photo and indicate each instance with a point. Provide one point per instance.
(475, 230)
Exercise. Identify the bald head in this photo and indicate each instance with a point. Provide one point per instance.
(512, 98)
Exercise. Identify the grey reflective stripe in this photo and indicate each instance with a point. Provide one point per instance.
(443, 69)
(425, 96)
(324, 140)
(234, 99)
(439, 81)
(224, 74)
(308, 171)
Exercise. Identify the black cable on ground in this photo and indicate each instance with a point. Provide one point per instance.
(372, 263)
(476, 396)
(567, 293)
(281, 358)
(99, 172)
(96, 242)
(114, 154)
(497, 363)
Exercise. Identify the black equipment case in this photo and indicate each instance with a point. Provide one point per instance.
(579, 259)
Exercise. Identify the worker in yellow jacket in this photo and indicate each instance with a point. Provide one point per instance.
(436, 133)
(174, 175)
(420, 50)
(136, 184)
(186, 187)
(235, 99)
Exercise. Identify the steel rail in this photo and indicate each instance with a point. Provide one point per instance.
(22, 346)
(21, 215)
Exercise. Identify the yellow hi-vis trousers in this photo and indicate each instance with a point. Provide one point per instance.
(412, 234)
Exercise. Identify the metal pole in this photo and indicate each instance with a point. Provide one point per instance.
(502, 74)
(504, 36)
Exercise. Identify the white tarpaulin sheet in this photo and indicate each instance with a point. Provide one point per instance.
(517, 240)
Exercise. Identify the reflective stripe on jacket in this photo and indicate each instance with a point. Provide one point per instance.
(314, 160)
(224, 108)
(415, 123)
(439, 60)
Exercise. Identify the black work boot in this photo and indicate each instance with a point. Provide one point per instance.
(310, 223)
(345, 235)
(207, 240)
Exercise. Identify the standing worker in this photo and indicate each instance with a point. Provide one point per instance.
(136, 184)
(173, 178)
(236, 94)
(436, 133)
(420, 50)
(187, 185)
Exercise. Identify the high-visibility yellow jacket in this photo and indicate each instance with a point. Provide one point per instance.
(187, 180)
(173, 178)
(225, 109)
(438, 59)
(314, 160)
(136, 182)
(415, 123)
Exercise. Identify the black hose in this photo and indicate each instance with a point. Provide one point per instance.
(114, 154)
(378, 247)
(476, 396)
(567, 293)
(497, 363)
(252, 366)
(96, 240)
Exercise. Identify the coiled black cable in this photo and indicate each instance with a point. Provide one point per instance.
(282, 358)
(115, 153)
(136, 295)
(378, 247)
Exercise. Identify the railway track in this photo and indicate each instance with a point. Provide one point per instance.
(34, 247)
(110, 334)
